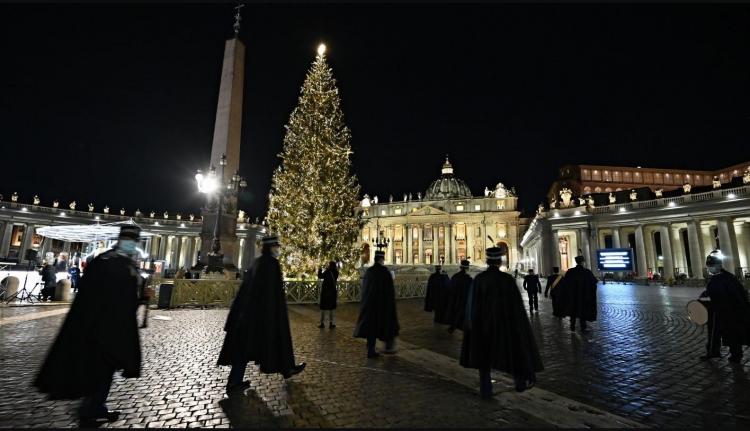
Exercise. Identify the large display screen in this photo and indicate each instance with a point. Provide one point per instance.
(615, 259)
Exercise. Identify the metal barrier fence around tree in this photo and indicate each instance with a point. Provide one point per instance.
(219, 293)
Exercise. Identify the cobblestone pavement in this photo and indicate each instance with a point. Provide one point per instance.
(182, 387)
(640, 361)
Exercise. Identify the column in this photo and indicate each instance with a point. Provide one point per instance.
(189, 251)
(677, 251)
(5, 242)
(449, 253)
(696, 250)
(389, 250)
(421, 243)
(616, 237)
(26, 243)
(469, 241)
(666, 250)
(746, 242)
(556, 249)
(583, 234)
(178, 251)
(593, 258)
(640, 251)
(408, 257)
(162, 247)
(66, 246)
(650, 251)
(728, 244)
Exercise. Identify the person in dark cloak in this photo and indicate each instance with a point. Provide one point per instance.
(377, 313)
(436, 294)
(458, 293)
(497, 332)
(532, 286)
(553, 291)
(257, 327)
(49, 277)
(578, 295)
(328, 294)
(728, 311)
(99, 334)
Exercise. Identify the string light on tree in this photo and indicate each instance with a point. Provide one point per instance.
(314, 195)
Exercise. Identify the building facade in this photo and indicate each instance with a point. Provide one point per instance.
(670, 233)
(446, 225)
(587, 179)
(175, 241)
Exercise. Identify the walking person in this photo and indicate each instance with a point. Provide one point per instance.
(435, 294)
(458, 294)
(378, 319)
(497, 332)
(553, 291)
(532, 286)
(578, 295)
(328, 294)
(100, 333)
(49, 277)
(728, 311)
(257, 327)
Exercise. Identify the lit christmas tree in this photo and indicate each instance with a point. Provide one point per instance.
(314, 196)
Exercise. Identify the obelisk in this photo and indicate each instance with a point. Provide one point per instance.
(226, 141)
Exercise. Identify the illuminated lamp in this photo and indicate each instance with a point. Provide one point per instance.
(671, 204)
(622, 209)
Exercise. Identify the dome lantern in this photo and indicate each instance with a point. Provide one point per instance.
(447, 186)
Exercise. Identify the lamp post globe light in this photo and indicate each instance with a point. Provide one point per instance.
(217, 191)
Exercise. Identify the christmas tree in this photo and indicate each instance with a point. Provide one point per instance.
(314, 195)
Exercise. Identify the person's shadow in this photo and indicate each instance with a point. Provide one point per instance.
(247, 410)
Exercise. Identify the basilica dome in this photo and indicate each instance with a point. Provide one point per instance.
(447, 186)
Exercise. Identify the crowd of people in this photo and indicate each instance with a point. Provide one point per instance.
(100, 333)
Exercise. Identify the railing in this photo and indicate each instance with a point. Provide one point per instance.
(207, 292)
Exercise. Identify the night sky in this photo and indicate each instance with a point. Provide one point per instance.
(116, 104)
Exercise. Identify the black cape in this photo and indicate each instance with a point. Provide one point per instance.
(436, 296)
(729, 307)
(377, 310)
(554, 294)
(100, 332)
(498, 334)
(257, 327)
(328, 293)
(457, 296)
(577, 296)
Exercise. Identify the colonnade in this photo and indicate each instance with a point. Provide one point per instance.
(670, 248)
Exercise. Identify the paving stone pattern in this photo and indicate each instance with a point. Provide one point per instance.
(640, 360)
(182, 387)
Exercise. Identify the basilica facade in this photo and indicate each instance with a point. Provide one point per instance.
(446, 224)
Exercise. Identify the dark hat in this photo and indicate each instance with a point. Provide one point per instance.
(379, 254)
(714, 258)
(130, 231)
(494, 253)
(465, 263)
(580, 259)
(270, 240)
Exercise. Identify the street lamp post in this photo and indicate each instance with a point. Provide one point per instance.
(211, 185)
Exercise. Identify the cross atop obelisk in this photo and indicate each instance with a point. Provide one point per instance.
(237, 18)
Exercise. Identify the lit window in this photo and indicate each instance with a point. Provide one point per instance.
(459, 207)
(382, 212)
(477, 207)
(501, 205)
(397, 211)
